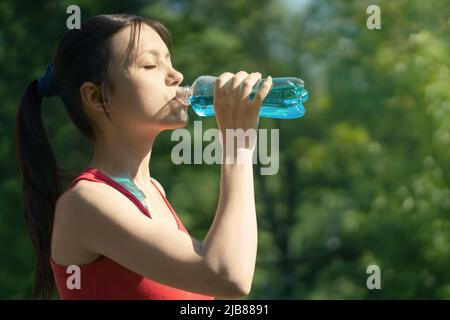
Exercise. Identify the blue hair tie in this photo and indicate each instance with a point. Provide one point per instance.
(46, 83)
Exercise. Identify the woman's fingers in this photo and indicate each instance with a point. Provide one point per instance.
(248, 84)
(220, 88)
(236, 83)
(232, 106)
(263, 91)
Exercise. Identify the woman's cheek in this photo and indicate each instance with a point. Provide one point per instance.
(152, 97)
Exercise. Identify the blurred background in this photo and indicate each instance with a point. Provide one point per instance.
(364, 177)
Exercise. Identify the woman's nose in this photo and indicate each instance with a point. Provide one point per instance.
(175, 78)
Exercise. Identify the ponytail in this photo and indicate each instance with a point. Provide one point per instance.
(40, 177)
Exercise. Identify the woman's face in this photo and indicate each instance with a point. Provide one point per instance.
(144, 84)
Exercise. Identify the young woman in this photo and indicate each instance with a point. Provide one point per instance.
(98, 239)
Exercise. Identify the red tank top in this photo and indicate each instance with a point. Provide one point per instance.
(107, 279)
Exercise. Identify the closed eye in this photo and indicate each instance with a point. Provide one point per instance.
(149, 67)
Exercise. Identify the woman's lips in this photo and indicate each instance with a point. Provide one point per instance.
(185, 105)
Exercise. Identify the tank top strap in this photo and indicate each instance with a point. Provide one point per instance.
(95, 175)
(177, 219)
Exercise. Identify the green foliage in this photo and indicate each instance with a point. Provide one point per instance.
(363, 177)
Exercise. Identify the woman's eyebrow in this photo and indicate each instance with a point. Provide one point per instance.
(154, 52)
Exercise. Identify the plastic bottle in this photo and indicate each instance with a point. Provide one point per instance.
(284, 100)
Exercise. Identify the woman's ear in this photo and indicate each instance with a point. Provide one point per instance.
(91, 97)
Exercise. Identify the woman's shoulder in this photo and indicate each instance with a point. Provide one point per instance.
(71, 217)
(81, 214)
(82, 203)
(81, 191)
(87, 197)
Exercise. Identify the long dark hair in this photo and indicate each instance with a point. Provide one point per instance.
(82, 55)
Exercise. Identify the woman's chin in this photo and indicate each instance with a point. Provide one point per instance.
(183, 123)
(177, 121)
(173, 116)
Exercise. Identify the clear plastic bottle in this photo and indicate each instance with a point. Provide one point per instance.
(284, 100)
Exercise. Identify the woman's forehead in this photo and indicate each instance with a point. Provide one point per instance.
(147, 40)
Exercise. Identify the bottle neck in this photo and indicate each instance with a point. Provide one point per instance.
(184, 93)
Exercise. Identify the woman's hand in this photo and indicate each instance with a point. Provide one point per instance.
(232, 107)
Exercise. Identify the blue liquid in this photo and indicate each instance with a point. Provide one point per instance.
(284, 101)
